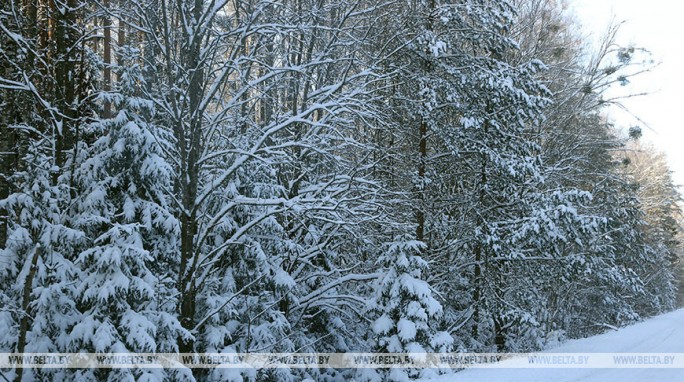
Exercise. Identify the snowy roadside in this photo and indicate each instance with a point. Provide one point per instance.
(661, 334)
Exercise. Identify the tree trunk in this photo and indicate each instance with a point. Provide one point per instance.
(25, 304)
(422, 158)
(107, 58)
(422, 142)
(189, 137)
(66, 78)
(499, 333)
(478, 250)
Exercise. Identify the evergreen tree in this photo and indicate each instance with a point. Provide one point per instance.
(407, 310)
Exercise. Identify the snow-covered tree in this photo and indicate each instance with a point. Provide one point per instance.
(244, 176)
(405, 309)
(47, 81)
(127, 288)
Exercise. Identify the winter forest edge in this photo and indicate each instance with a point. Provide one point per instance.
(319, 176)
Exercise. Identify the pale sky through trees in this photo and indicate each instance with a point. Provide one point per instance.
(654, 25)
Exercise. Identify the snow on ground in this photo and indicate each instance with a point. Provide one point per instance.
(661, 334)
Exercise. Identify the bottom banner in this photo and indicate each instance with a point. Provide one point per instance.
(342, 360)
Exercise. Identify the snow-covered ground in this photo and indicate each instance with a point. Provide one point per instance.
(661, 334)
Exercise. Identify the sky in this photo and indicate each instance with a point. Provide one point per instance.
(655, 25)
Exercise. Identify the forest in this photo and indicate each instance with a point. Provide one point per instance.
(251, 176)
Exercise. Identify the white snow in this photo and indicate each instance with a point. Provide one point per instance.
(661, 334)
(406, 329)
(382, 325)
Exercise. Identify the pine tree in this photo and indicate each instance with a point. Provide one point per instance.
(406, 310)
(47, 78)
(127, 286)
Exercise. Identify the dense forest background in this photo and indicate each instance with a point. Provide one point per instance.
(319, 175)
